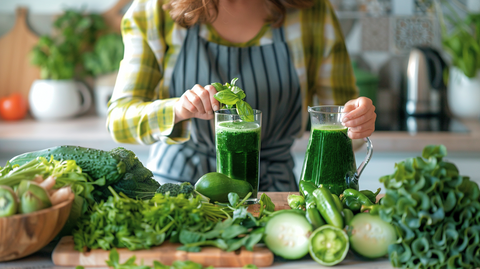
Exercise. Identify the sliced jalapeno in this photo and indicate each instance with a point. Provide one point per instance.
(328, 245)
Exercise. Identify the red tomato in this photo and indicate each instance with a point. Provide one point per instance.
(13, 107)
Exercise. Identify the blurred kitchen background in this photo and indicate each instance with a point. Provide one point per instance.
(390, 43)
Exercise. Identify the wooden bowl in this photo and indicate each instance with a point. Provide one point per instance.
(24, 234)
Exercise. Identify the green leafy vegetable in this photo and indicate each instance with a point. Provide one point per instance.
(231, 95)
(140, 224)
(435, 211)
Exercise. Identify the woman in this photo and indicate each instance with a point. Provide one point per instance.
(284, 52)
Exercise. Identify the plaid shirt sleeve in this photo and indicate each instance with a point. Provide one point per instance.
(329, 72)
(136, 115)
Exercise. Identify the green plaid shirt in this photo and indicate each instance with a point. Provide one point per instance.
(141, 110)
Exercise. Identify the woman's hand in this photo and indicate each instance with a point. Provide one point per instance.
(197, 103)
(360, 118)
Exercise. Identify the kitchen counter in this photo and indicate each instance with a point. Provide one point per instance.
(90, 131)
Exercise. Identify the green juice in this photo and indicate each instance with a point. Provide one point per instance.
(238, 148)
(329, 159)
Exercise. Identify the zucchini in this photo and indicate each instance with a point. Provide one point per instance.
(94, 162)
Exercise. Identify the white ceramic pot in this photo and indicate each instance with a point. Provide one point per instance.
(102, 92)
(58, 99)
(463, 94)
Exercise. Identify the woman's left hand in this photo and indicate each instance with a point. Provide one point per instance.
(360, 117)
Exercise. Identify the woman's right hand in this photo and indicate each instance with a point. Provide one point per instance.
(197, 102)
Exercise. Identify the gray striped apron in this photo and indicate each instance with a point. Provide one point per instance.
(268, 77)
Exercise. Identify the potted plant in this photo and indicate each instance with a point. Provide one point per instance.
(103, 63)
(58, 95)
(461, 42)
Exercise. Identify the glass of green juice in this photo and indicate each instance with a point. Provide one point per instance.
(238, 147)
(329, 159)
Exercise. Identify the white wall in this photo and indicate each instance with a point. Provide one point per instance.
(55, 6)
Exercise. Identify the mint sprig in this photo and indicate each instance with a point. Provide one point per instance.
(232, 97)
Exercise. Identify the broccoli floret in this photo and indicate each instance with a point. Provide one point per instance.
(171, 188)
(137, 183)
(174, 189)
(127, 156)
(186, 188)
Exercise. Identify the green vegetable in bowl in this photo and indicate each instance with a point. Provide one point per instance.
(287, 234)
(370, 236)
(328, 245)
(8, 201)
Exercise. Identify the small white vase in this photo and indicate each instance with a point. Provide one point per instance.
(463, 94)
(58, 99)
(102, 92)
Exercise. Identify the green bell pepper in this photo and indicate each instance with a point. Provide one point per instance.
(364, 200)
(296, 201)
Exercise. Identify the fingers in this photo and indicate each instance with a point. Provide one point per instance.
(198, 102)
(363, 130)
(360, 118)
(212, 91)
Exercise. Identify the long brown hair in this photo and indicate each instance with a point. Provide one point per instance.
(188, 12)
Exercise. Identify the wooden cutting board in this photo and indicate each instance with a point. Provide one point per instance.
(16, 72)
(64, 253)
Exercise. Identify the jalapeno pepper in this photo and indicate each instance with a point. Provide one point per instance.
(310, 202)
(327, 208)
(313, 216)
(358, 195)
(337, 201)
(306, 188)
(347, 215)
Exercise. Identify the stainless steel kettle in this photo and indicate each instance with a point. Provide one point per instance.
(425, 86)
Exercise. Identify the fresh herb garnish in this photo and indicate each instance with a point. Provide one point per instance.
(232, 97)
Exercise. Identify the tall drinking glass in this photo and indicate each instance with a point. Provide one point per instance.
(238, 147)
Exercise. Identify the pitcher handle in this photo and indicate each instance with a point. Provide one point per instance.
(367, 158)
(87, 99)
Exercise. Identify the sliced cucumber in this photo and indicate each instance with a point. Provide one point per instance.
(287, 233)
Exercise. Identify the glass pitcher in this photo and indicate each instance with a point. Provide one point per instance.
(329, 159)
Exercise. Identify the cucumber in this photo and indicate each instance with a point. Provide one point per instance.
(217, 186)
(94, 162)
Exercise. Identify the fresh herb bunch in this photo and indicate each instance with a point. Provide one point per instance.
(135, 224)
(435, 211)
(232, 97)
(140, 224)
